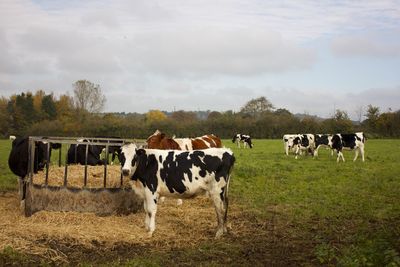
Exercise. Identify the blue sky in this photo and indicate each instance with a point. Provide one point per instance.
(306, 56)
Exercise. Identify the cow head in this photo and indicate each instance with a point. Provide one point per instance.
(248, 140)
(128, 159)
(236, 136)
(154, 140)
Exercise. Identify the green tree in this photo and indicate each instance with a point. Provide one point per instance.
(49, 107)
(255, 107)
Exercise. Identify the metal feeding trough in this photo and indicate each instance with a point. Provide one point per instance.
(100, 200)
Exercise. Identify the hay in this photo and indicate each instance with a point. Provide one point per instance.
(176, 226)
(75, 176)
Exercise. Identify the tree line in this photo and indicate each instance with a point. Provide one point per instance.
(44, 114)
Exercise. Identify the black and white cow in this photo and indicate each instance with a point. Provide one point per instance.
(180, 174)
(288, 142)
(19, 156)
(351, 141)
(76, 154)
(244, 138)
(302, 142)
(323, 140)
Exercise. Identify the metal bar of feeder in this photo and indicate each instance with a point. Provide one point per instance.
(86, 156)
(31, 163)
(47, 164)
(66, 168)
(59, 156)
(105, 167)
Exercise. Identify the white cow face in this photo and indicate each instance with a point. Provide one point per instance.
(128, 153)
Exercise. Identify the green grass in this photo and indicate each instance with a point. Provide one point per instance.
(349, 213)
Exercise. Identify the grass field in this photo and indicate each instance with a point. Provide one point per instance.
(298, 212)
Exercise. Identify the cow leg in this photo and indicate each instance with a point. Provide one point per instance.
(287, 150)
(220, 211)
(341, 155)
(297, 152)
(316, 152)
(362, 153)
(338, 156)
(151, 210)
(356, 154)
(147, 218)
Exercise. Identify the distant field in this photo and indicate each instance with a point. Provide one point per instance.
(304, 212)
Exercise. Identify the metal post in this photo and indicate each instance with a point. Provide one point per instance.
(32, 147)
(66, 169)
(86, 156)
(47, 163)
(59, 156)
(105, 167)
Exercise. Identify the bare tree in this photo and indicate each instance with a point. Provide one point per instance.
(359, 113)
(88, 96)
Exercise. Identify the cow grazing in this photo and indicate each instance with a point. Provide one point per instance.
(181, 174)
(302, 142)
(322, 140)
(244, 138)
(19, 156)
(77, 153)
(159, 140)
(351, 141)
(288, 142)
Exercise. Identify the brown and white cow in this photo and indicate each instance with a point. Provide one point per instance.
(159, 140)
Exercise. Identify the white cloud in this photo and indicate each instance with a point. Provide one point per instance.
(149, 54)
(365, 46)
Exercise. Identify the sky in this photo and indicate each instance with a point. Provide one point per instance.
(306, 56)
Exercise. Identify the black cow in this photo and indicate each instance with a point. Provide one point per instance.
(351, 141)
(244, 138)
(180, 174)
(19, 156)
(77, 154)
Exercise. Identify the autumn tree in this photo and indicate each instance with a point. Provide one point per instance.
(155, 116)
(184, 116)
(88, 97)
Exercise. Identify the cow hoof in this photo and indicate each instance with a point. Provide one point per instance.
(219, 233)
(150, 234)
(179, 202)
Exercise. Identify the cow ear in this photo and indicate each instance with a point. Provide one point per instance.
(140, 152)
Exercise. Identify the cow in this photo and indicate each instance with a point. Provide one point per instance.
(322, 140)
(287, 142)
(302, 142)
(350, 141)
(77, 153)
(244, 138)
(19, 156)
(181, 174)
(159, 140)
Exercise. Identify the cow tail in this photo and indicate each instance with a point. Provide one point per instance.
(226, 197)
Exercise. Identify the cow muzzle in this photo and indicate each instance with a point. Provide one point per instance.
(126, 172)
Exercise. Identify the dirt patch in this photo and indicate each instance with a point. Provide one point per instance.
(184, 236)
